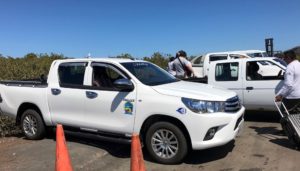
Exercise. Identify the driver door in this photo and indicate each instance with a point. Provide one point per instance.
(107, 108)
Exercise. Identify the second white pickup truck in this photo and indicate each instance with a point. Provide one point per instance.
(114, 98)
(255, 82)
(201, 64)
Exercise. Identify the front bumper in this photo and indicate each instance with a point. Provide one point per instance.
(229, 126)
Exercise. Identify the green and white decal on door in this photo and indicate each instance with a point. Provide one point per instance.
(128, 108)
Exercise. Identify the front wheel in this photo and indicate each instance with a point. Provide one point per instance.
(32, 125)
(166, 143)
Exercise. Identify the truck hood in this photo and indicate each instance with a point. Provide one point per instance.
(195, 91)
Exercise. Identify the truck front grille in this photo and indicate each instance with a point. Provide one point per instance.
(232, 104)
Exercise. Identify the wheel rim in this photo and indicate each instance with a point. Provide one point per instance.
(164, 143)
(30, 125)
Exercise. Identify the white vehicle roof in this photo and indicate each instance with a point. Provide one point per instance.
(114, 60)
(248, 59)
(238, 52)
(253, 59)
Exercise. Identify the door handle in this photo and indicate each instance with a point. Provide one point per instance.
(91, 95)
(55, 91)
(249, 88)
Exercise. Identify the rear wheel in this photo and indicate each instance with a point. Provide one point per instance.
(32, 125)
(166, 143)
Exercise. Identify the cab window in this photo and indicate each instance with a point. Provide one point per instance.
(71, 74)
(198, 61)
(227, 71)
(263, 70)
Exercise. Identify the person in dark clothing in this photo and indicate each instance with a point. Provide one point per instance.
(182, 66)
(253, 71)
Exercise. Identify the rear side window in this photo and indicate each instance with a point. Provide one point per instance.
(217, 57)
(71, 74)
(198, 61)
(227, 71)
(255, 55)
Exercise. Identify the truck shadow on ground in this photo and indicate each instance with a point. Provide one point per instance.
(274, 134)
(262, 116)
(120, 150)
(208, 155)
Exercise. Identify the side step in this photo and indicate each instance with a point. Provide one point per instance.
(105, 136)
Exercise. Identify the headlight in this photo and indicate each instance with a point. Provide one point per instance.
(199, 106)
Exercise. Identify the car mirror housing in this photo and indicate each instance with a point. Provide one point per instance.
(124, 84)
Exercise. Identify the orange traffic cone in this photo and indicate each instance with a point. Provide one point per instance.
(63, 162)
(137, 160)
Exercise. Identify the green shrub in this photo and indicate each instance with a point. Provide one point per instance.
(8, 127)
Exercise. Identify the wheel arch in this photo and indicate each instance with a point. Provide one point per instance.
(23, 107)
(157, 118)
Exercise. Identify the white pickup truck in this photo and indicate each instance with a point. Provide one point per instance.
(255, 88)
(114, 98)
(201, 64)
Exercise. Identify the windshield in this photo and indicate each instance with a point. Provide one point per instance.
(265, 54)
(282, 62)
(149, 74)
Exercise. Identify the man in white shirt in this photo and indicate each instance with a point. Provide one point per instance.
(289, 94)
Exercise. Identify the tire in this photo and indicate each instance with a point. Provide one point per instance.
(32, 125)
(175, 142)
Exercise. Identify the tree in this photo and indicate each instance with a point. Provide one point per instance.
(124, 55)
(158, 59)
(30, 56)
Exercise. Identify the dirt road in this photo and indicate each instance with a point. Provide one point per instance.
(261, 146)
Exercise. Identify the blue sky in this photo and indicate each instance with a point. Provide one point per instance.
(140, 28)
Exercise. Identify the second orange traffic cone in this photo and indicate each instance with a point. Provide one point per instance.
(137, 160)
(63, 162)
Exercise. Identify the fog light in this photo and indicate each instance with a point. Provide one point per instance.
(210, 133)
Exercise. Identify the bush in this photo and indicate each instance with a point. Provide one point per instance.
(8, 127)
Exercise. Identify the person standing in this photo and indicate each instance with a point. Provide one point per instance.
(289, 94)
(182, 66)
(171, 69)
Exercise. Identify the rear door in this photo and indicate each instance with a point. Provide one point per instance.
(66, 96)
(211, 58)
(227, 74)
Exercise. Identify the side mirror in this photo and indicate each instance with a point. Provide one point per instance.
(124, 84)
(280, 75)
